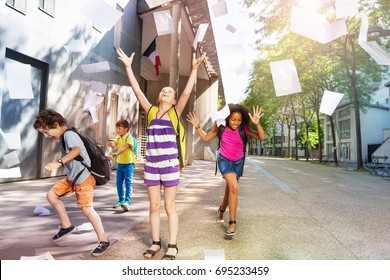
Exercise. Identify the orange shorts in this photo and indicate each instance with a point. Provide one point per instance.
(84, 191)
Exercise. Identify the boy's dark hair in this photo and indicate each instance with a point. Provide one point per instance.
(122, 123)
(240, 109)
(48, 118)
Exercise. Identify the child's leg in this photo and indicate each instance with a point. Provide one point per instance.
(170, 208)
(154, 216)
(120, 174)
(96, 222)
(60, 189)
(129, 182)
(232, 183)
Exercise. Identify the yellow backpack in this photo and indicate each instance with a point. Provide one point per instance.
(179, 129)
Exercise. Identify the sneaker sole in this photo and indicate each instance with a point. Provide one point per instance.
(125, 207)
(65, 235)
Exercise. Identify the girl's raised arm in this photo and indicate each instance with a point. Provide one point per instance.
(127, 61)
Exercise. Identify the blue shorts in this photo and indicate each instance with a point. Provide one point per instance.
(226, 166)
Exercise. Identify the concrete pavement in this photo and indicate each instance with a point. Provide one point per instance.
(288, 210)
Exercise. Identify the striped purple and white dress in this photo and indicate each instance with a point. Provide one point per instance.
(162, 164)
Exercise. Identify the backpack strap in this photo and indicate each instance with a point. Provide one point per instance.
(127, 138)
(221, 129)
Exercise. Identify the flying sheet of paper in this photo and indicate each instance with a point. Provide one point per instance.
(200, 34)
(231, 28)
(376, 52)
(19, 80)
(10, 173)
(95, 67)
(315, 26)
(75, 46)
(234, 56)
(220, 9)
(164, 23)
(211, 153)
(46, 256)
(346, 8)
(40, 210)
(222, 114)
(94, 114)
(85, 227)
(99, 87)
(285, 77)
(101, 13)
(212, 255)
(12, 139)
(92, 101)
(329, 102)
(242, 69)
(11, 159)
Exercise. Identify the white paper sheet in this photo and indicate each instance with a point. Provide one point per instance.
(376, 52)
(92, 101)
(95, 67)
(233, 56)
(164, 23)
(231, 28)
(19, 80)
(99, 87)
(10, 173)
(221, 114)
(12, 139)
(329, 102)
(200, 34)
(220, 9)
(285, 77)
(85, 227)
(212, 255)
(346, 8)
(46, 256)
(315, 26)
(101, 13)
(76, 46)
(11, 159)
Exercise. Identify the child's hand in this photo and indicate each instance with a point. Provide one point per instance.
(110, 157)
(257, 114)
(197, 61)
(53, 166)
(127, 61)
(194, 119)
(111, 144)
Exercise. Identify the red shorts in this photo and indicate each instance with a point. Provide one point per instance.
(84, 191)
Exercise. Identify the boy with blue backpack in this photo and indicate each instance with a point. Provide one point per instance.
(126, 157)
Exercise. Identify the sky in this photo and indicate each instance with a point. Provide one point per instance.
(236, 50)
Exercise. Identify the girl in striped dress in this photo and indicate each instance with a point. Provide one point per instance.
(162, 166)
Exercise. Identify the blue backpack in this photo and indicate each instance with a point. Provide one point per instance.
(135, 150)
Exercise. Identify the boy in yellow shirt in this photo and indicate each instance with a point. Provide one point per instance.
(126, 159)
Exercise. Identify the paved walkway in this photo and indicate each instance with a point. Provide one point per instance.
(288, 210)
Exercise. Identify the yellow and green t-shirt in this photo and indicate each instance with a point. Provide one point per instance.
(127, 156)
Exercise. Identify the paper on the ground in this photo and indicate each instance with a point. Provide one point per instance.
(11, 159)
(95, 67)
(200, 34)
(10, 173)
(220, 9)
(285, 77)
(19, 80)
(12, 139)
(315, 26)
(77, 45)
(101, 13)
(329, 102)
(346, 8)
(85, 227)
(99, 87)
(212, 255)
(164, 23)
(377, 53)
(41, 211)
(46, 256)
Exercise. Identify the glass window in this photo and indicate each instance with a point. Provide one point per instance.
(344, 113)
(19, 5)
(47, 6)
(328, 133)
(345, 129)
(345, 153)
